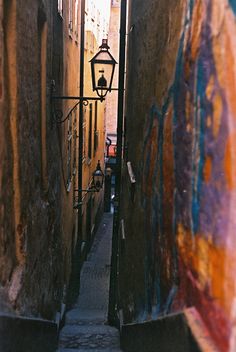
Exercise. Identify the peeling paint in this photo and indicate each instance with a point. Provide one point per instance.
(188, 173)
(16, 284)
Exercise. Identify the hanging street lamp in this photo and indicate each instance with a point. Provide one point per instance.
(102, 70)
(95, 186)
(98, 178)
(103, 67)
(97, 181)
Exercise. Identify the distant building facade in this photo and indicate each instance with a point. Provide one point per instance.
(112, 99)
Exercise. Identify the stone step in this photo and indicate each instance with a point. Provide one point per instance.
(88, 350)
(82, 316)
(95, 337)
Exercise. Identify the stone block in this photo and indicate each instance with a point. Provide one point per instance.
(21, 334)
(167, 334)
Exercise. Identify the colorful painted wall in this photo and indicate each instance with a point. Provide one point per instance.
(181, 141)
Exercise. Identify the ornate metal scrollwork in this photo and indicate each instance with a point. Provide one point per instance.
(57, 113)
(58, 116)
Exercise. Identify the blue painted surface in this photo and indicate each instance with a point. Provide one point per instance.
(200, 193)
(233, 5)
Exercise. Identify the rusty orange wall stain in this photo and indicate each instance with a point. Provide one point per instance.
(230, 158)
(187, 69)
(227, 164)
(225, 58)
(208, 122)
(217, 52)
(218, 108)
(206, 254)
(207, 169)
(216, 270)
(186, 245)
(196, 28)
(202, 262)
(11, 40)
(210, 88)
(217, 17)
(203, 108)
(222, 285)
(230, 72)
(208, 263)
(188, 106)
(229, 283)
(153, 152)
(168, 196)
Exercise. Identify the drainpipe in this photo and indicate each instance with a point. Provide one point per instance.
(113, 318)
(81, 120)
(74, 285)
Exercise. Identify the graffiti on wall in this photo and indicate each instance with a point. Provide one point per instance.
(189, 176)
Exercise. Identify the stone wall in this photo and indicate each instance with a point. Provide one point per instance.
(30, 266)
(36, 238)
(39, 226)
(180, 226)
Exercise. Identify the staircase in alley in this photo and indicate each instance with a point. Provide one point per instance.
(86, 327)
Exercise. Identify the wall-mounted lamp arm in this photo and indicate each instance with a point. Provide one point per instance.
(95, 186)
(87, 190)
(57, 114)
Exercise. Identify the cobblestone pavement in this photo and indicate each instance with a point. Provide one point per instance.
(86, 329)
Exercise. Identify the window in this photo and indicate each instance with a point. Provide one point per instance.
(69, 152)
(60, 7)
(93, 12)
(92, 42)
(75, 142)
(84, 135)
(76, 19)
(87, 6)
(95, 137)
(70, 17)
(90, 131)
(87, 36)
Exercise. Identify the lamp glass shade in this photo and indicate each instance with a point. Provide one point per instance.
(102, 69)
(98, 177)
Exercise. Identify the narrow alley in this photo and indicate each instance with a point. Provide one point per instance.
(86, 327)
(117, 175)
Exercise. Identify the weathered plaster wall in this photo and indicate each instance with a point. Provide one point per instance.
(7, 244)
(39, 239)
(95, 200)
(181, 142)
(68, 85)
(30, 244)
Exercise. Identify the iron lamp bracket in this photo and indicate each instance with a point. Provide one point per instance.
(57, 112)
